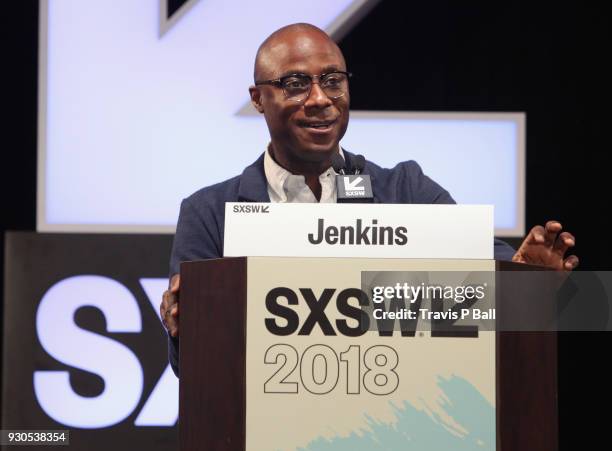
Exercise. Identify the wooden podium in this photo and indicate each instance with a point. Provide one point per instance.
(510, 377)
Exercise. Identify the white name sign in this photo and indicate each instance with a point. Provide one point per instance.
(358, 230)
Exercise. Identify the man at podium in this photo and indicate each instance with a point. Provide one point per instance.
(302, 89)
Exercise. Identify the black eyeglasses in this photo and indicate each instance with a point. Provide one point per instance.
(296, 87)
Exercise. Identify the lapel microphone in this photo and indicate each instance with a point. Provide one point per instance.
(352, 186)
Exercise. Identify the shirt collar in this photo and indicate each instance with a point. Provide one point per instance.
(281, 181)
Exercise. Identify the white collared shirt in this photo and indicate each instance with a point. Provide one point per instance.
(285, 187)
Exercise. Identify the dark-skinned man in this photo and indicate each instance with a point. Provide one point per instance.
(301, 88)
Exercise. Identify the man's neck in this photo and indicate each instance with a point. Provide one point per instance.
(300, 167)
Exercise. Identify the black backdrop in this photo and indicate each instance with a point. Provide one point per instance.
(544, 58)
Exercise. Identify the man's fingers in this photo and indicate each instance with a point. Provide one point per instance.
(169, 311)
(163, 306)
(171, 320)
(565, 240)
(168, 300)
(175, 283)
(570, 263)
(536, 235)
(544, 235)
(552, 229)
(547, 245)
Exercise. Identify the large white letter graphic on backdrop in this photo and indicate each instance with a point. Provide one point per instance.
(161, 409)
(123, 107)
(62, 339)
(126, 107)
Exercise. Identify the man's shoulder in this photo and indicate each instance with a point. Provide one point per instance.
(249, 185)
(226, 191)
(405, 183)
(404, 169)
(405, 172)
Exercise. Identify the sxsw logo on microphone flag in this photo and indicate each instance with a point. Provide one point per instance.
(354, 186)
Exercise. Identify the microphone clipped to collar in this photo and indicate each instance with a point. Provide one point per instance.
(338, 164)
(355, 187)
(358, 164)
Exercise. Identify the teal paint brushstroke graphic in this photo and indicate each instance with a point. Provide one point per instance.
(423, 430)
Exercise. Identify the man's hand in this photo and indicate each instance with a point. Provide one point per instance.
(546, 246)
(169, 307)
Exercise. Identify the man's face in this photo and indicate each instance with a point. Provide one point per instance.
(306, 131)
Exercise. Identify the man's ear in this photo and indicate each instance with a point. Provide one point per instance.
(256, 98)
